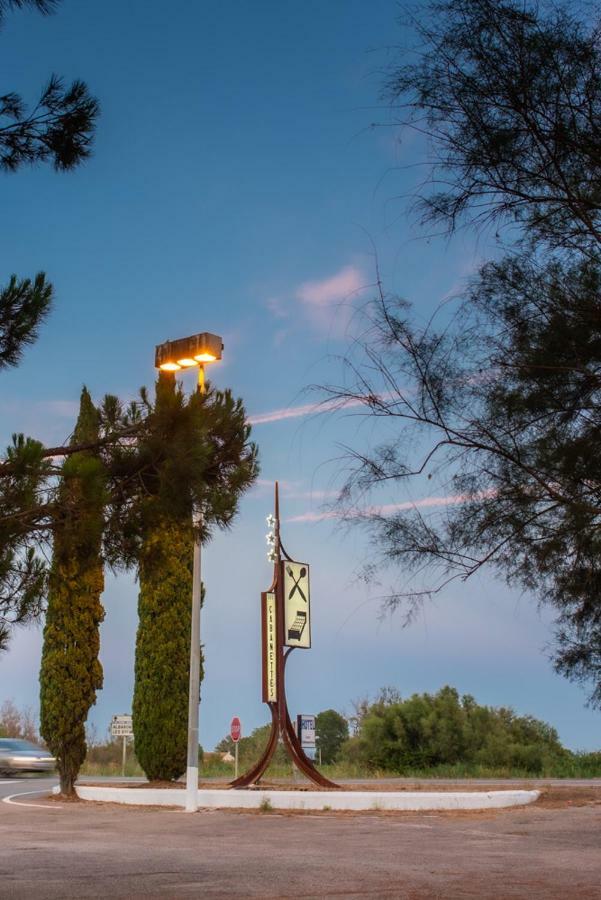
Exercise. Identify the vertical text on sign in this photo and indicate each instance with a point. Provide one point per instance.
(270, 685)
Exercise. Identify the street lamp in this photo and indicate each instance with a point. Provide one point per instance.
(173, 356)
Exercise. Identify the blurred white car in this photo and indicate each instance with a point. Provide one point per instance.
(17, 755)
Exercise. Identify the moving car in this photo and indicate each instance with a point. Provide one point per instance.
(18, 756)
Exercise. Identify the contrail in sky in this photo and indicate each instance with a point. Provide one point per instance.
(389, 508)
(296, 412)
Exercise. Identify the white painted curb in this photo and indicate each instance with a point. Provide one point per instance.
(339, 800)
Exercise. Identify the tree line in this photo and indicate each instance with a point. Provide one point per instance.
(440, 733)
(430, 732)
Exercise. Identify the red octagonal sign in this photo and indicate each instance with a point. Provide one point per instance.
(236, 729)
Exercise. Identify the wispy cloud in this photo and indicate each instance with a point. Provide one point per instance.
(332, 290)
(291, 490)
(289, 412)
(328, 302)
(390, 508)
(307, 409)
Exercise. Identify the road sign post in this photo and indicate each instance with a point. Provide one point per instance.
(305, 728)
(121, 726)
(236, 734)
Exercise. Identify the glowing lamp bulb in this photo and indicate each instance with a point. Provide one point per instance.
(186, 363)
(205, 357)
(170, 367)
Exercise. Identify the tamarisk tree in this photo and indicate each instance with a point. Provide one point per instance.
(492, 408)
(70, 670)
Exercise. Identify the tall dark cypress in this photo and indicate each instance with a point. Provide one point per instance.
(198, 455)
(71, 673)
(160, 708)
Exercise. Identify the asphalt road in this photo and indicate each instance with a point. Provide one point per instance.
(52, 849)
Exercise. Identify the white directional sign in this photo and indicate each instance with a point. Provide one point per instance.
(121, 726)
(297, 604)
(306, 731)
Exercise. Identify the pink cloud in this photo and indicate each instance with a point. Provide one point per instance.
(389, 508)
(332, 290)
(291, 490)
(296, 412)
(290, 412)
(328, 303)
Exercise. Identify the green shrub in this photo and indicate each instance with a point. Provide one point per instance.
(429, 731)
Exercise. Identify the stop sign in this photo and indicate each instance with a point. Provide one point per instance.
(236, 729)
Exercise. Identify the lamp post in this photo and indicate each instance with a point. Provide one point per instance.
(173, 356)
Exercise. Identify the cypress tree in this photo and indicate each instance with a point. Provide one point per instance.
(160, 704)
(196, 454)
(160, 707)
(70, 671)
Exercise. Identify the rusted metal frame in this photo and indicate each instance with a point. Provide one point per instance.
(295, 748)
(260, 767)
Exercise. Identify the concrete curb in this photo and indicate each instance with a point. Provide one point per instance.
(317, 800)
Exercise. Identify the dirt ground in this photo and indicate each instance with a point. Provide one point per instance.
(53, 849)
(549, 850)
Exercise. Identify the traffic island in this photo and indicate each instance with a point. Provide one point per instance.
(409, 801)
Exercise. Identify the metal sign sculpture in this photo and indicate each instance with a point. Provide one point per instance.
(286, 624)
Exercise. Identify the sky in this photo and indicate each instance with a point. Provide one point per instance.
(238, 186)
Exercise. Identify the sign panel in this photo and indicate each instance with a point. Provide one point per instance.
(297, 604)
(305, 728)
(270, 673)
(121, 726)
(236, 729)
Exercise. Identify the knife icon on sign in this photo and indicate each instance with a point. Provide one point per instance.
(296, 587)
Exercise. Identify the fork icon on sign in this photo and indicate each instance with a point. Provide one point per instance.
(296, 587)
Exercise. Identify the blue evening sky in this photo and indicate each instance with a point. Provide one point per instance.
(237, 187)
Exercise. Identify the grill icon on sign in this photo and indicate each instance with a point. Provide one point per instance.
(298, 626)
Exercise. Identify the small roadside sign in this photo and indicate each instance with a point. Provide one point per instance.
(305, 729)
(121, 726)
(236, 734)
(236, 729)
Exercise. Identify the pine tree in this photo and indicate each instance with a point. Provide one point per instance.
(71, 672)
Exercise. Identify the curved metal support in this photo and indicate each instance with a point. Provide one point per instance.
(259, 768)
(295, 748)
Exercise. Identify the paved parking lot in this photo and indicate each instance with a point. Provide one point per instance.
(62, 850)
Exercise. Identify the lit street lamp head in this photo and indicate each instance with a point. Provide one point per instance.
(184, 353)
(172, 356)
